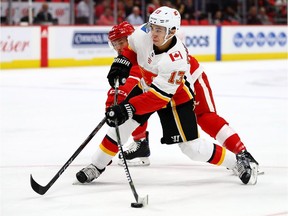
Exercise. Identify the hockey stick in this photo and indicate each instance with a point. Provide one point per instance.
(140, 201)
(43, 189)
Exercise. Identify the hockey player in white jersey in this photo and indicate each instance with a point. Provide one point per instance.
(166, 88)
(207, 118)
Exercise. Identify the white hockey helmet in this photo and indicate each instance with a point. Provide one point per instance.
(166, 17)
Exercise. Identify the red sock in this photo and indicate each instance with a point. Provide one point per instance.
(234, 144)
(140, 132)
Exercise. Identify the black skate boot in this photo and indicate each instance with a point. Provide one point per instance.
(250, 157)
(252, 160)
(245, 169)
(88, 174)
(137, 153)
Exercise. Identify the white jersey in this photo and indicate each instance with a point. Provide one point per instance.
(164, 74)
(161, 65)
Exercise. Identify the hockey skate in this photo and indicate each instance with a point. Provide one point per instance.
(245, 169)
(137, 153)
(250, 157)
(252, 160)
(88, 174)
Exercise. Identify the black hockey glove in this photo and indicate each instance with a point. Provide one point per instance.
(120, 113)
(120, 68)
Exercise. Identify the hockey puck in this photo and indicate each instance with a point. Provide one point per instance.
(136, 205)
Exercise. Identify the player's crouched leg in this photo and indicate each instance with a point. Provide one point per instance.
(204, 151)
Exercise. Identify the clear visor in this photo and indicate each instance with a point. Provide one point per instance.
(156, 28)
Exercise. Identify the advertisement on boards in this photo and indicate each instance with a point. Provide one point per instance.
(20, 46)
(261, 41)
(61, 46)
(81, 44)
(200, 41)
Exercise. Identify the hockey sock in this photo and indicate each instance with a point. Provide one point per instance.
(202, 150)
(140, 132)
(105, 153)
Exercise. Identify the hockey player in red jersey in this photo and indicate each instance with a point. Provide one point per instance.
(117, 37)
(118, 40)
(166, 88)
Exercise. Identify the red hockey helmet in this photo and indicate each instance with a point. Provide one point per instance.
(124, 29)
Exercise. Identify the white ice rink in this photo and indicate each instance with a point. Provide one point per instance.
(45, 114)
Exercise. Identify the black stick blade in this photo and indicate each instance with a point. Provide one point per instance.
(36, 187)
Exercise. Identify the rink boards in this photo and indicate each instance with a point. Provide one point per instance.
(65, 46)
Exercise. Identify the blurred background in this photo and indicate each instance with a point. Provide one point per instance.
(61, 33)
(111, 12)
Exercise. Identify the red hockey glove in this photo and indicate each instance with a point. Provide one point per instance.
(119, 113)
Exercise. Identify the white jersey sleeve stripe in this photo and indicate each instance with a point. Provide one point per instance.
(197, 73)
(134, 77)
(167, 99)
(206, 93)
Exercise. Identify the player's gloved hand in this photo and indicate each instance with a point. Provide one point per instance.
(119, 113)
(120, 68)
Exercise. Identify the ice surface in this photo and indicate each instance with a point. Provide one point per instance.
(45, 114)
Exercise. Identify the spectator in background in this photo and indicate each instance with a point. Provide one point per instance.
(283, 14)
(231, 15)
(121, 16)
(83, 12)
(280, 2)
(129, 4)
(99, 8)
(120, 12)
(180, 6)
(189, 10)
(263, 16)
(134, 18)
(252, 18)
(107, 17)
(25, 18)
(44, 15)
(168, 4)
(137, 3)
(218, 18)
(151, 7)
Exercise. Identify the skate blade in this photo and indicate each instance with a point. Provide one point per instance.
(254, 174)
(259, 172)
